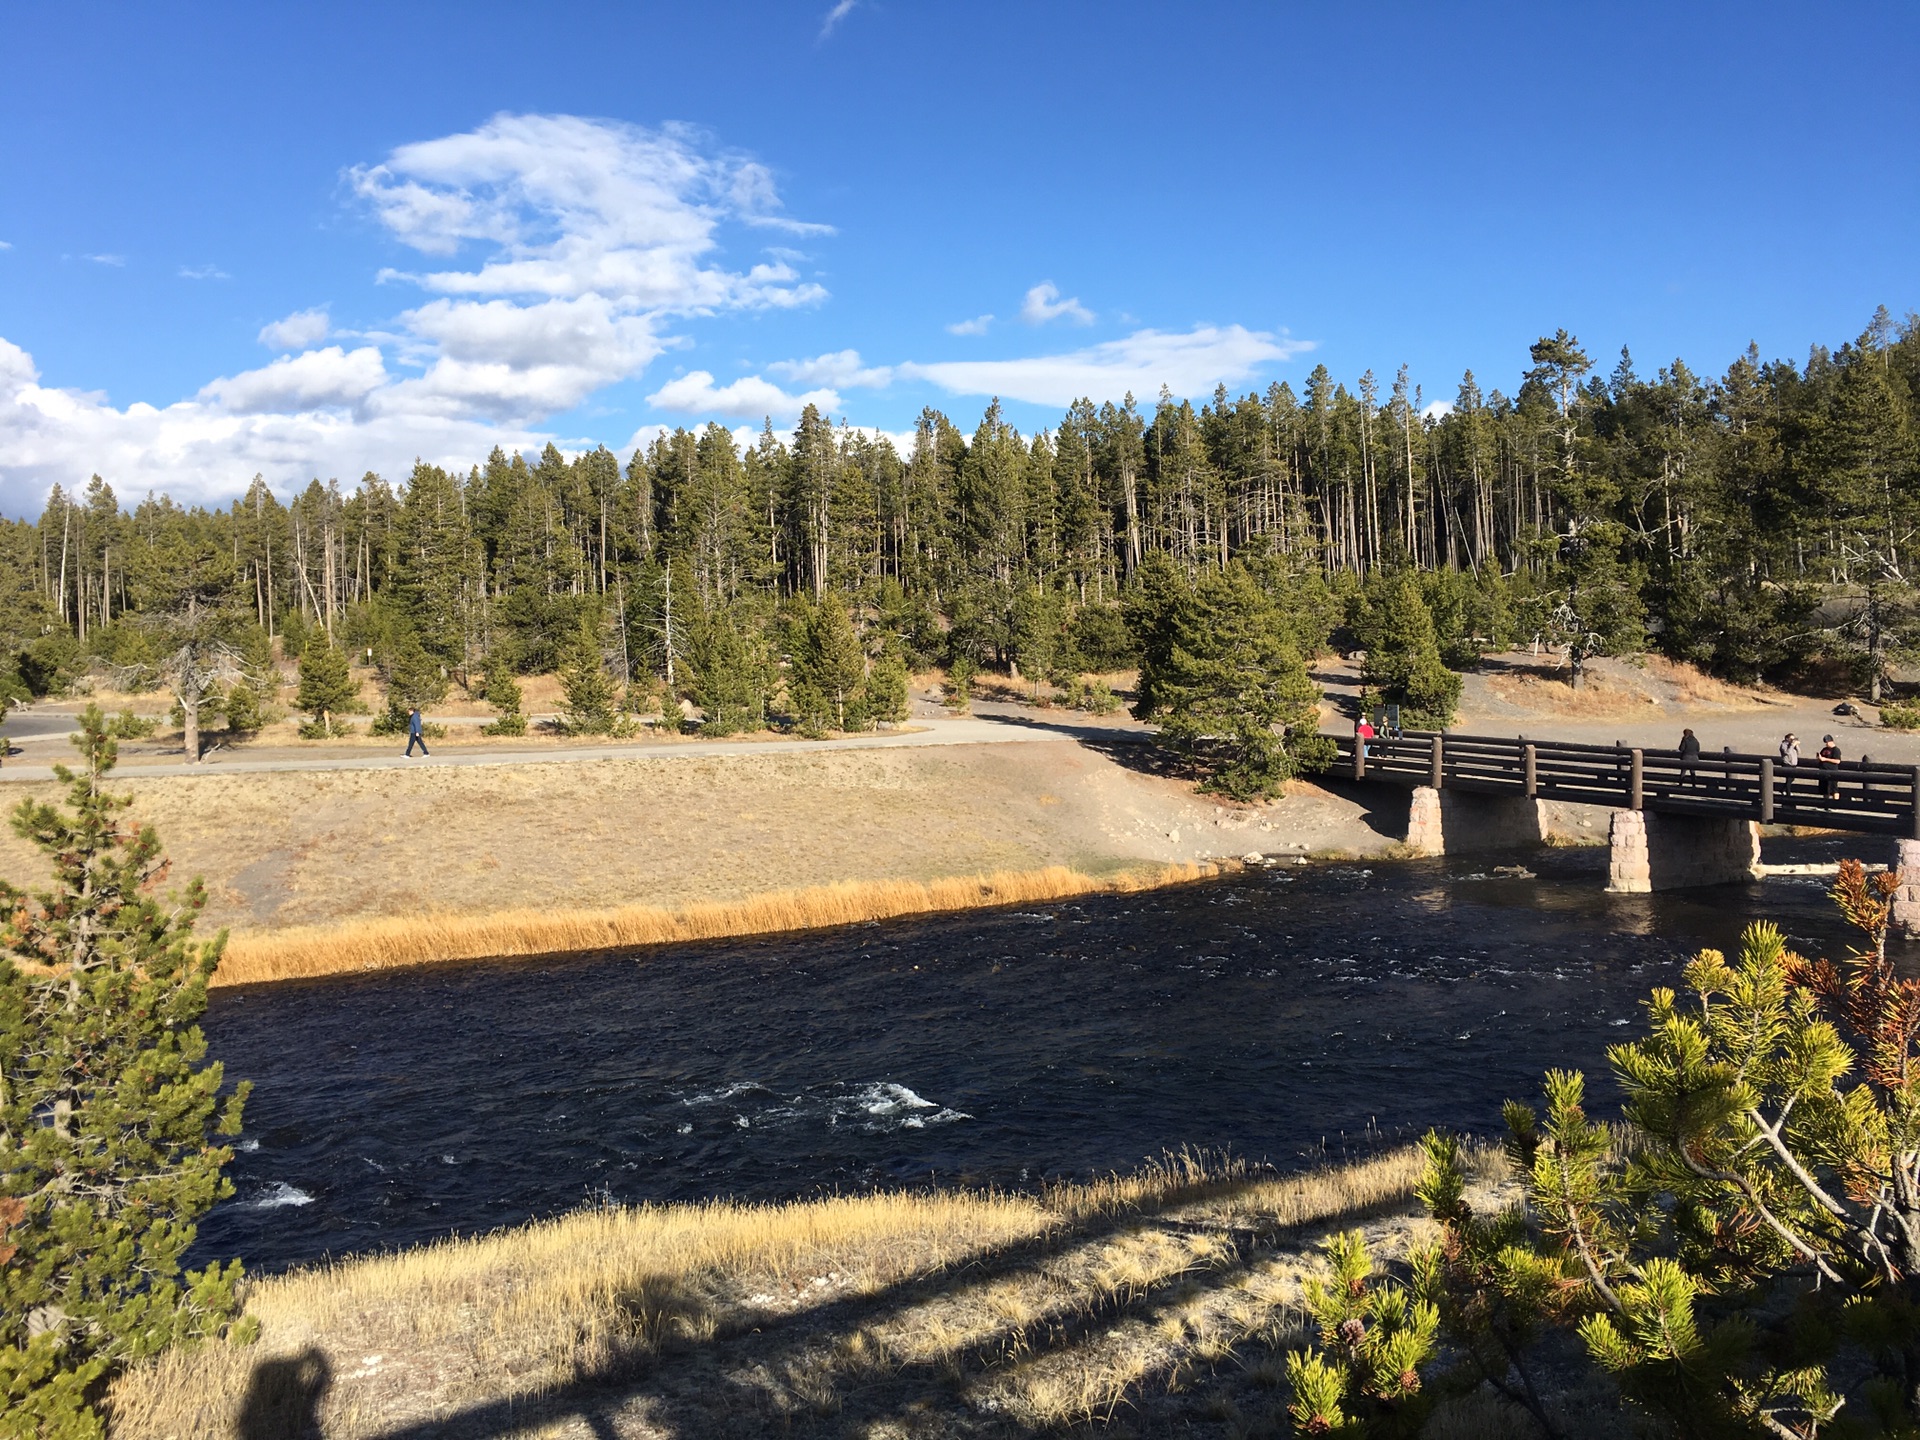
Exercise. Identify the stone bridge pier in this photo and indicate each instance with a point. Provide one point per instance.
(1649, 851)
(1460, 822)
(1906, 900)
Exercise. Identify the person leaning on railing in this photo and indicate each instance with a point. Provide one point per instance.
(1829, 758)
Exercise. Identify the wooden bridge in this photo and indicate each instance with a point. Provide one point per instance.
(1856, 795)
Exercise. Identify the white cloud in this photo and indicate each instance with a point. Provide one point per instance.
(595, 235)
(114, 260)
(1189, 363)
(976, 326)
(207, 449)
(510, 361)
(1438, 410)
(839, 12)
(301, 330)
(750, 396)
(842, 368)
(563, 255)
(1043, 303)
(6, 244)
(203, 272)
(316, 380)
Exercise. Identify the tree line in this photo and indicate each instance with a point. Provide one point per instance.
(1756, 524)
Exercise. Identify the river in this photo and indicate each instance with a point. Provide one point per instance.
(1291, 1014)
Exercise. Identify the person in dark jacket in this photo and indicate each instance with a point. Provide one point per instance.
(416, 735)
(1689, 756)
(1829, 758)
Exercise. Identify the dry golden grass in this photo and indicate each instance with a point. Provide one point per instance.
(1622, 691)
(1599, 697)
(527, 1310)
(389, 943)
(737, 1320)
(1692, 687)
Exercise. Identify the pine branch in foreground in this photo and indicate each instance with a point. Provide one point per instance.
(109, 1109)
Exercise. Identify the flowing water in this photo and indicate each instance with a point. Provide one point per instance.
(1290, 1014)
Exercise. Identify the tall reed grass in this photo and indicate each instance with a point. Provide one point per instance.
(390, 942)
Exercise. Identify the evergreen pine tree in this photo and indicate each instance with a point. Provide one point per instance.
(887, 688)
(1403, 664)
(414, 678)
(732, 675)
(109, 1112)
(1231, 693)
(589, 690)
(503, 693)
(326, 686)
(828, 668)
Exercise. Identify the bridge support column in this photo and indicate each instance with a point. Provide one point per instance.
(1426, 831)
(1906, 900)
(1460, 822)
(1678, 852)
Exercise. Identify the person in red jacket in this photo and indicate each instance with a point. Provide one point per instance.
(1362, 733)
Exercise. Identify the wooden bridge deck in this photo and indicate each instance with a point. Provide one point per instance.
(1854, 795)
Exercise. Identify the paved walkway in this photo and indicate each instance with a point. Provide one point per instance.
(991, 725)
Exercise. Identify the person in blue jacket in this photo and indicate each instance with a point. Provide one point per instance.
(415, 735)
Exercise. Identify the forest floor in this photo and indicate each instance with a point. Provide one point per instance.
(1155, 1304)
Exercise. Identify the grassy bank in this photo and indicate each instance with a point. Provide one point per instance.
(1173, 1291)
(391, 942)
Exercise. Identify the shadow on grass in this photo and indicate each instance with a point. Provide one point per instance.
(283, 1398)
(837, 1368)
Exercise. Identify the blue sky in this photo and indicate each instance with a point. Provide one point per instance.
(316, 239)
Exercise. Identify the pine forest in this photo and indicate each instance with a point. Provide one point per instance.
(1756, 523)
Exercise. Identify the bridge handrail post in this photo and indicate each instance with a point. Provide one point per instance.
(1637, 781)
(1913, 823)
(1359, 758)
(1435, 760)
(1530, 768)
(1766, 789)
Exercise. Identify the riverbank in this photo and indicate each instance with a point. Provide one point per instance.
(405, 865)
(393, 942)
(1170, 1296)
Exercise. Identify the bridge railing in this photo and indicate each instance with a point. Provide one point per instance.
(1854, 795)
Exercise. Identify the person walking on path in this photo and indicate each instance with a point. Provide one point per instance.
(1789, 762)
(416, 734)
(1689, 757)
(1829, 758)
(1362, 733)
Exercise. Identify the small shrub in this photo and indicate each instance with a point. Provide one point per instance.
(129, 726)
(244, 714)
(1096, 697)
(1896, 716)
(510, 723)
(316, 730)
